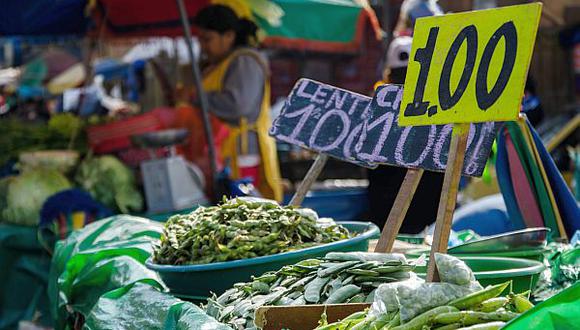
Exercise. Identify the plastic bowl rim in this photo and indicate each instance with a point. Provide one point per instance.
(504, 254)
(533, 267)
(503, 235)
(370, 231)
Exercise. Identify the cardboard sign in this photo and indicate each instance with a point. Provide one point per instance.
(469, 67)
(322, 118)
(426, 147)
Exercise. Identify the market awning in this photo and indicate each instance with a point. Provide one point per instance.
(307, 25)
(323, 25)
(43, 18)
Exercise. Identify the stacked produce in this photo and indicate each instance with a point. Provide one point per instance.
(63, 131)
(337, 278)
(242, 228)
(22, 196)
(110, 182)
(445, 305)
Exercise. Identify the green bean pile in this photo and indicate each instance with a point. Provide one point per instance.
(339, 277)
(240, 229)
(483, 310)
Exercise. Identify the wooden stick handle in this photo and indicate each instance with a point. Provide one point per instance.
(399, 210)
(308, 180)
(448, 196)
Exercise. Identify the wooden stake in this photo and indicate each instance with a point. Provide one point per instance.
(308, 180)
(448, 196)
(399, 210)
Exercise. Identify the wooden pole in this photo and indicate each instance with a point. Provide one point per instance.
(308, 180)
(448, 196)
(399, 210)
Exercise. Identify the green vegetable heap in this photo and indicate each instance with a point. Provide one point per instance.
(110, 182)
(482, 310)
(239, 229)
(337, 278)
(459, 303)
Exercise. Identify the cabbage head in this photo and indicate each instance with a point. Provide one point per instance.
(110, 182)
(22, 196)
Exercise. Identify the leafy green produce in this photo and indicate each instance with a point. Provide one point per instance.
(22, 196)
(239, 229)
(444, 305)
(445, 316)
(110, 182)
(65, 124)
(329, 280)
(63, 131)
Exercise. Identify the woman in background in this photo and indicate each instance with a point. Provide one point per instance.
(236, 82)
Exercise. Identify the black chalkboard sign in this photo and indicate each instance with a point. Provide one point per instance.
(384, 141)
(323, 118)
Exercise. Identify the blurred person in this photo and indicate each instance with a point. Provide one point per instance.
(385, 181)
(411, 10)
(236, 82)
(531, 105)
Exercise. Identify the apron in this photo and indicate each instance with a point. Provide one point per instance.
(269, 170)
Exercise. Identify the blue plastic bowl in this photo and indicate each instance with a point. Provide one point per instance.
(198, 281)
(340, 204)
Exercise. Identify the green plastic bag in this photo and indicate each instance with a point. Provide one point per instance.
(563, 271)
(557, 313)
(104, 256)
(141, 306)
(24, 267)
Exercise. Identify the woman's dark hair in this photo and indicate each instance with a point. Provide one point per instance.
(221, 19)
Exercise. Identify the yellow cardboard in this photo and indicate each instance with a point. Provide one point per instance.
(473, 28)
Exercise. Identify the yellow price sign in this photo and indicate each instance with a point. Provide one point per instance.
(469, 67)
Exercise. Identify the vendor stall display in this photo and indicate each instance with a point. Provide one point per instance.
(334, 279)
(210, 249)
(239, 229)
(256, 264)
(456, 301)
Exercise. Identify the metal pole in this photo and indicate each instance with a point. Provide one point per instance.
(200, 93)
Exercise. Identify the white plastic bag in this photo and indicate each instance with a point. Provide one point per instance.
(413, 297)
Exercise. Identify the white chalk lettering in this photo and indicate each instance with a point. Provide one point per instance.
(338, 140)
(301, 92)
(443, 136)
(338, 99)
(320, 94)
(386, 92)
(401, 146)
